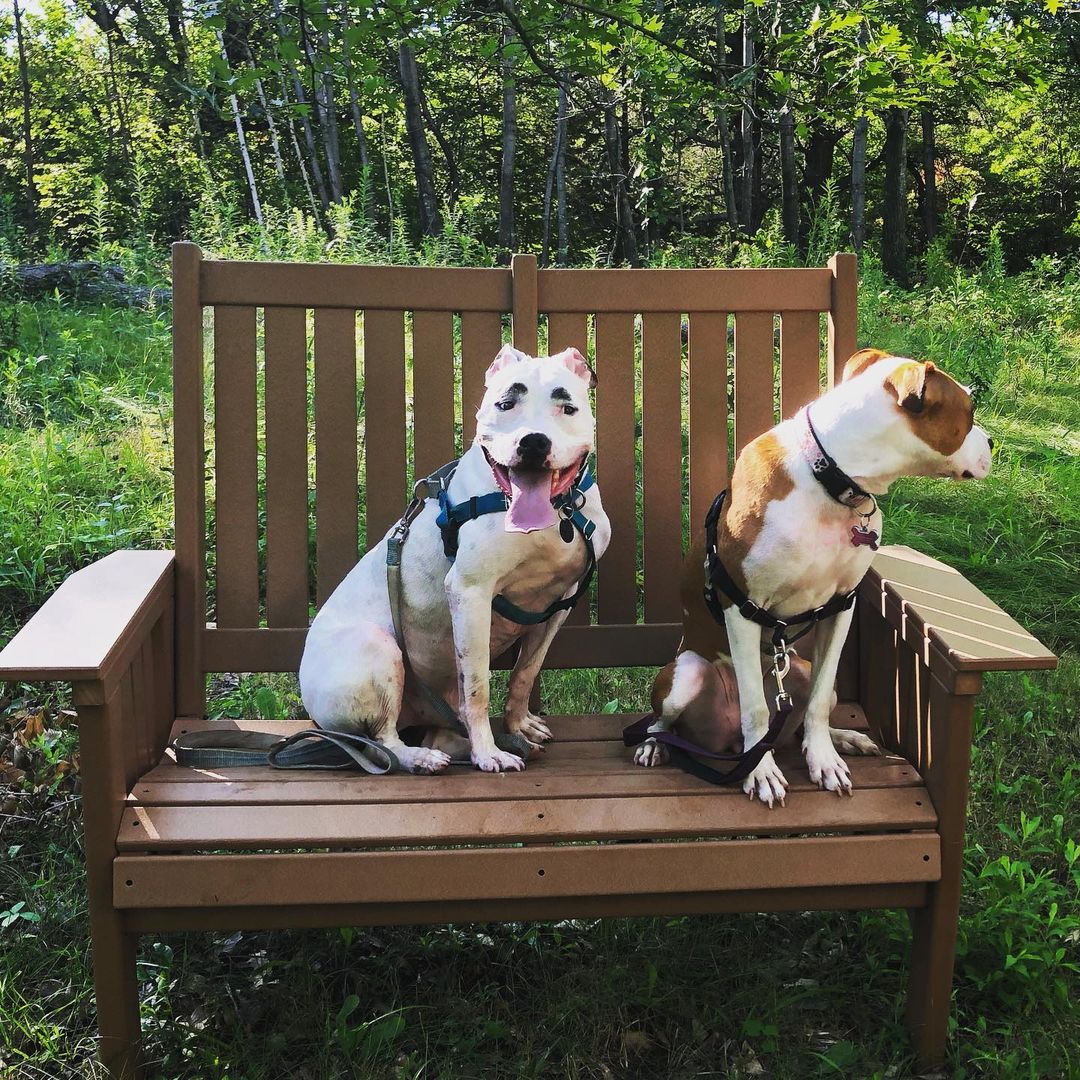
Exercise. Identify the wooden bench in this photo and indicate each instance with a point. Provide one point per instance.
(171, 848)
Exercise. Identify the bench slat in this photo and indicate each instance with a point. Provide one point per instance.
(708, 421)
(481, 339)
(236, 476)
(187, 828)
(566, 330)
(384, 421)
(167, 785)
(661, 463)
(800, 360)
(535, 871)
(433, 391)
(336, 465)
(616, 598)
(285, 349)
(753, 375)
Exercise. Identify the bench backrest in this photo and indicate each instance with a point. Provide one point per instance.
(314, 392)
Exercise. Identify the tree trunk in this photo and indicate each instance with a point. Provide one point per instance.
(788, 175)
(562, 224)
(894, 214)
(28, 141)
(305, 121)
(746, 180)
(509, 139)
(624, 213)
(820, 151)
(326, 112)
(453, 173)
(260, 91)
(354, 100)
(430, 219)
(549, 183)
(301, 164)
(242, 139)
(858, 183)
(929, 155)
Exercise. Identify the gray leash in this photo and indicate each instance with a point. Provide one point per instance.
(312, 748)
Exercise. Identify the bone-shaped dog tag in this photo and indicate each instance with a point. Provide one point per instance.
(861, 536)
(566, 530)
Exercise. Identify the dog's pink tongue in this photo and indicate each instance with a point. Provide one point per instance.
(530, 502)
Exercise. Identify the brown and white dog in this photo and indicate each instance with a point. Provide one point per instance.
(790, 547)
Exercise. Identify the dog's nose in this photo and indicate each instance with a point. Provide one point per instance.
(990, 441)
(534, 445)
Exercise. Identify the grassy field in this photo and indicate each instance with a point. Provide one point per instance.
(84, 469)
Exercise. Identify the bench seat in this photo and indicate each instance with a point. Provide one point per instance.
(581, 821)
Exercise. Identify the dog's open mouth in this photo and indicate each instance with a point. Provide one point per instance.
(531, 491)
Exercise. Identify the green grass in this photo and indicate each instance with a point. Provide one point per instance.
(84, 469)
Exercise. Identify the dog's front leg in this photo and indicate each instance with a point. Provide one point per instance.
(827, 768)
(470, 614)
(744, 640)
(532, 649)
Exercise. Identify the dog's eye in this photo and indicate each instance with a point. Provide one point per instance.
(569, 409)
(504, 406)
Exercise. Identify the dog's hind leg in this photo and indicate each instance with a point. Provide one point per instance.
(352, 678)
(853, 742)
(675, 689)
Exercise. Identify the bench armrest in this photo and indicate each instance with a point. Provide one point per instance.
(89, 629)
(950, 624)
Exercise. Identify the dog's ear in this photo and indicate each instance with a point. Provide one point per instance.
(908, 385)
(507, 355)
(861, 360)
(577, 363)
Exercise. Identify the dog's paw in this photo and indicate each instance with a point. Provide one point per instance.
(423, 759)
(827, 768)
(767, 782)
(651, 752)
(531, 727)
(853, 742)
(496, 760)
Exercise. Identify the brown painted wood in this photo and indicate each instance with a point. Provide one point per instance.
(189, 474)
(204, 828)
(570, 330)
(574, 647)
(661, 460)
(616, 597)
(931, 603)
(336, 465)
(404, 913)
(525, 324)
(92, 626)
(708, 412)
(934, 928)
(384, 420)
(433, 391)
(800, 360)
(104, 743)
(540, 871)
(684, 290)
(753, 376)
(396, 288)
(285, 349)
(236, 470)
(481, 339)
(843, 315)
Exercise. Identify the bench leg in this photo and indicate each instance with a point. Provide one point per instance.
(946, 720)
(933, 948)
(117, 992)
(104, 756)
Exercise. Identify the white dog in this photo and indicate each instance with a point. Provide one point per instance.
(798, 529)
(534, 435)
